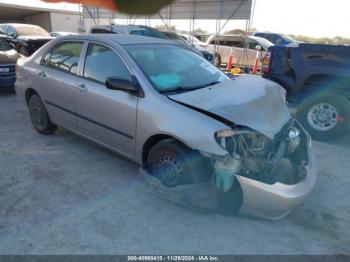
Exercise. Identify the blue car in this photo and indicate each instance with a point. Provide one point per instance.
(277, 39)
(8, 60)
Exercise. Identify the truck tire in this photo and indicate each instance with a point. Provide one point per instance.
(325, 116)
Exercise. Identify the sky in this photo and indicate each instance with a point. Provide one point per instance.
(318, 18)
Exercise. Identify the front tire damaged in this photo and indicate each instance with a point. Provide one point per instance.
(258, 176)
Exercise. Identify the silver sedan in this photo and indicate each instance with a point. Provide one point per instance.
(178, 116)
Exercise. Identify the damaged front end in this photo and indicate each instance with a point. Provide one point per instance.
(275, 175)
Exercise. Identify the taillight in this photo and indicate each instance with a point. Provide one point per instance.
(266, 62)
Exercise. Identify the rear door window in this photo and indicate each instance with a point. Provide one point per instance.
(65, 57)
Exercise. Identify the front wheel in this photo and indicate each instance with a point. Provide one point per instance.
(174, 164)
(325, 116)
(39, 116)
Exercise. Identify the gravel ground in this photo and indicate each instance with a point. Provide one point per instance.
(61, 194)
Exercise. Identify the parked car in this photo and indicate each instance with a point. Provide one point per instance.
(25, 38)
(151, 32)
(127, 29)
(277, 39)
(221, 45)
(61, 33)
(175, 114)
(317, 80)
(207, 54)
(192, 39)
(8, 59)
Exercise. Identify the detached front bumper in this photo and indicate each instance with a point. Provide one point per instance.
(277, 200)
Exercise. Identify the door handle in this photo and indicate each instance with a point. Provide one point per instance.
(82, 88)
(42, 74)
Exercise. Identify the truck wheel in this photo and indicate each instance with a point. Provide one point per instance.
(217, 60)
(39, 116)
(174, 164)
(325, 116)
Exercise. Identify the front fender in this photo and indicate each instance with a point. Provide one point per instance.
(161, 116)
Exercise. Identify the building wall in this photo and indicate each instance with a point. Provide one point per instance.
(40, 19)
(65, 22)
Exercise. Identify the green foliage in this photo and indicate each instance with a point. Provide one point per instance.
(165, 28)
(200, 30)
(322, 40)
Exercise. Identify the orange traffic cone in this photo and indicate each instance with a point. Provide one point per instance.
(256, 64)
(230, 59)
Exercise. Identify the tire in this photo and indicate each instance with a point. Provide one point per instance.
(325, 116)
(23, 51)
(217, 60)
(174, 164)
(39, 117)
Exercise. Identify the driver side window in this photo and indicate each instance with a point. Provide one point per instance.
(101, 62)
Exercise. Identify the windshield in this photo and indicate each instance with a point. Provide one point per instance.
(192, 38)
(171, 68)
(263, 42)
(4, 46)
(31, 30)
(287, 38)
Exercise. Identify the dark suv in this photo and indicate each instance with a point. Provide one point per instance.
(26, 39)
(277, 39)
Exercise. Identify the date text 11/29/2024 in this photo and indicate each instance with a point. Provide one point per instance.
(173, 258)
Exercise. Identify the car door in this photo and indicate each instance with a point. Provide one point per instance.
(58, 80)
(105, 115)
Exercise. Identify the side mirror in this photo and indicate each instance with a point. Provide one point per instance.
(12, 45)
(121, 84)
(258, 47)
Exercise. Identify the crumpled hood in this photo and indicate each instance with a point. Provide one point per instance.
(9, 57)
(251, 101)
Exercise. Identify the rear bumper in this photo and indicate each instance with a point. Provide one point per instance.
(277, 200)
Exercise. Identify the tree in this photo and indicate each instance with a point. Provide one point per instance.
(199, 30)
(166, 28)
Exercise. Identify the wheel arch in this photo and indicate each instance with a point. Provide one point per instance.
(151, 141)
(325, 82)
(29, 93)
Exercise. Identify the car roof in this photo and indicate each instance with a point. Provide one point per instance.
(18, 24)
(121, 27)
(120, 39)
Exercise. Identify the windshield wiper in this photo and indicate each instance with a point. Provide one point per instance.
(178, 89)
(210, 84)
(185, 88)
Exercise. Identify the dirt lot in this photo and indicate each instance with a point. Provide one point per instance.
(61, 194)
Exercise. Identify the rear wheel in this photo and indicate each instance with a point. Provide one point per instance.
(39, 116)
(325, 116)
